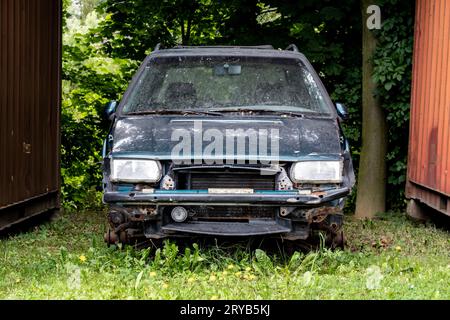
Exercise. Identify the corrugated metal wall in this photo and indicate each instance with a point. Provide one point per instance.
(30, 41)
(429, 147)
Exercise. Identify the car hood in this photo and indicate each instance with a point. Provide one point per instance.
(297, 137)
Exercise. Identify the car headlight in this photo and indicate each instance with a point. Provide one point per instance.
(317, 172)
(134, 170)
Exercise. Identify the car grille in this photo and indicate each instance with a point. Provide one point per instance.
(245, 180)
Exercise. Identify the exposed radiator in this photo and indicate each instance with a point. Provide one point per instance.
(247, 180)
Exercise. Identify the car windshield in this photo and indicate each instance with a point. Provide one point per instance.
(225, 84)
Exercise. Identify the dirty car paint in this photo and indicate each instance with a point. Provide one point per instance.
(298, 137)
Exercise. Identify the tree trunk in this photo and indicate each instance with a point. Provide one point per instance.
(371, 197)
(183, 34)
(188, 32)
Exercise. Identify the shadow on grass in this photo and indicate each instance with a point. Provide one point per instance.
(29, 224)
(439, 220)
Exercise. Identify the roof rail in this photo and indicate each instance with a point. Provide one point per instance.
(157, 47)
(263, 47)
(292, 47)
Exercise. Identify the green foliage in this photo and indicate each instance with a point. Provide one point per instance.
(392, 72)
(90, 80)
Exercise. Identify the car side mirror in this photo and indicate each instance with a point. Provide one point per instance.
(110, 109)
(342, 111)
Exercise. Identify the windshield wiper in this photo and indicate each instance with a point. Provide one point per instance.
(167, 111)
(281, 112)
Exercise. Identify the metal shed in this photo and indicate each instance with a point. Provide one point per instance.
(428, 178)
(30, 67)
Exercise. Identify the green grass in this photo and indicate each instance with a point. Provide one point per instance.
(387, 258)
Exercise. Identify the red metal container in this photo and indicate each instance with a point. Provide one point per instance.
(30, 65)
(428, 179)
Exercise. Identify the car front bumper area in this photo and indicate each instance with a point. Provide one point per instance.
(306, 211)
(204, 197)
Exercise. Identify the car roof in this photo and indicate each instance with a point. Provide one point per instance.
(247, 51)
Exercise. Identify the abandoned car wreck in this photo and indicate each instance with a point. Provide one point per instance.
(226, 141)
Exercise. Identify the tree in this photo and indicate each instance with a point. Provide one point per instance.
(89, 80)
(371, 196)
(133, 28)
(392, 72)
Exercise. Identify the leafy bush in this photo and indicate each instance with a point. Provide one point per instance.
(90, 80)
(392, 71)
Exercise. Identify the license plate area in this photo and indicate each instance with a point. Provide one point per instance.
(230, 190)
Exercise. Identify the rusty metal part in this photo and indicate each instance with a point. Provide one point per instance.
(119, 215)
(428, 176)
(282, 181)
(285, 211)
(137, 216)
(317, 215)
(332, 226)
(142, 213)
(112, 237)
(317, 218)
(336, 239)
(116, 218)
(339, 240)
(126, 236)
(122, 226)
